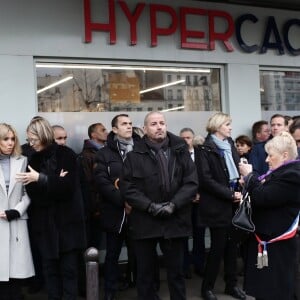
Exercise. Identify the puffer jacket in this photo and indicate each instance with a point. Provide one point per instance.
(107, 170)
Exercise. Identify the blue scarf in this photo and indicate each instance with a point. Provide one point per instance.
(225, 146)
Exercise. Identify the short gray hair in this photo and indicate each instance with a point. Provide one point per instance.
(283, 142)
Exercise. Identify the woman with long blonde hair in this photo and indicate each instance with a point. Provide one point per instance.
(15, 253)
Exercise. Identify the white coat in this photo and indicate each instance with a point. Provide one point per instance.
(15, 253)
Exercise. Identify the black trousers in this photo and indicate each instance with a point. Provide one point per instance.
(114, 242)
(146, 257)
(224, 245)
(11, 290)
(61, 276)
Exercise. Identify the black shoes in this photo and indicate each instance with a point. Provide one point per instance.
(235, 292)
(209, 295)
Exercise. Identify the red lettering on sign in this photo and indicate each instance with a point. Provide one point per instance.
(132, 19)
(156, 31)
(224, 37)
(185, 33)
(91, 26)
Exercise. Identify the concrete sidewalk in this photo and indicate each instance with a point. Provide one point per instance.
(193, 286)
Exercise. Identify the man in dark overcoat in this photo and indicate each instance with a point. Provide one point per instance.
(159, 181)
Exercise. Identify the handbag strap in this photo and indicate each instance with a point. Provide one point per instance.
(245, 187)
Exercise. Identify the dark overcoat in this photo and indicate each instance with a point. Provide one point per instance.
(140, 185)
(275, 203)
(91, 197)
(108, 168)
(216, 195)
(56, 209)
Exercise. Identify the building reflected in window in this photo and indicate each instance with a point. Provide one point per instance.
(279, 90)
(71, 87)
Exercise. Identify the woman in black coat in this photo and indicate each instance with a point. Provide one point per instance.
(56, 210)
(275, 201)
(218, 184)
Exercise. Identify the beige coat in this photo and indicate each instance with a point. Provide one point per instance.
(15, 253)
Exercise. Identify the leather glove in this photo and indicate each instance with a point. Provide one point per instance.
(12, 214)
(155, 208)
(167, 210)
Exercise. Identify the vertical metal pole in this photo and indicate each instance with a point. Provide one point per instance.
(91, 257)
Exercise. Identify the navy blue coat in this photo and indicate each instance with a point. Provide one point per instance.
(216, 196)
(257, 158)
(275, 205)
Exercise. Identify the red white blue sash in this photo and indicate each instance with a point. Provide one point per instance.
(262, 255)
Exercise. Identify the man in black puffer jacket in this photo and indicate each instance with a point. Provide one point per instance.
(159, 181)
(108, 166)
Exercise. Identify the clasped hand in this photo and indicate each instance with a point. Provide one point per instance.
(163, 209)
(33, 175)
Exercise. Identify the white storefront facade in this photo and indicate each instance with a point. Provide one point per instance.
(241, 45)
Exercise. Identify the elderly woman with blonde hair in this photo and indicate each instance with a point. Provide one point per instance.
(15, 254)
(275, 196)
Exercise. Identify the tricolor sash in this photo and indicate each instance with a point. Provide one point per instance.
(262, 255)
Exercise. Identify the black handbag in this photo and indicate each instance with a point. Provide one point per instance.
(242, 218)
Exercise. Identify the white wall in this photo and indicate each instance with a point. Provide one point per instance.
(242, 92)
(17, 94)
(54, 29)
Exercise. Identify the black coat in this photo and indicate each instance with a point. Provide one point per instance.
(56, 208)
(86, 163)
(216, 196)
(140, 185)
(275, 204)
(108, 168)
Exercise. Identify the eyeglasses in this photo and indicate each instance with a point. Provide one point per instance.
(32, 141)
(61, 138)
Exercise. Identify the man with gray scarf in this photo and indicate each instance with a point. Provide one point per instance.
(159, 181)
(108, 166)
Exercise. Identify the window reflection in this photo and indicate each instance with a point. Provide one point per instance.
(113, 88)
(279, 90)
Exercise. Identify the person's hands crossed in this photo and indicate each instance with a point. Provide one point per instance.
(163, 209)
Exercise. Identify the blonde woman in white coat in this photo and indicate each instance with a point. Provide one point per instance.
(15, 254)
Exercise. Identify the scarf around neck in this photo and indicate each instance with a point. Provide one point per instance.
(125, 146)
(262, 177)
(225, 146)
(162, 156)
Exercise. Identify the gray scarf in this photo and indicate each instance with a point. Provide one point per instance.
(125, 146)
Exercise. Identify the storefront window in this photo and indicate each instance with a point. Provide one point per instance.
(280, 90)
(90, 88)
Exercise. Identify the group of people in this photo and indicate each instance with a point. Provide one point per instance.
(148, 189)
